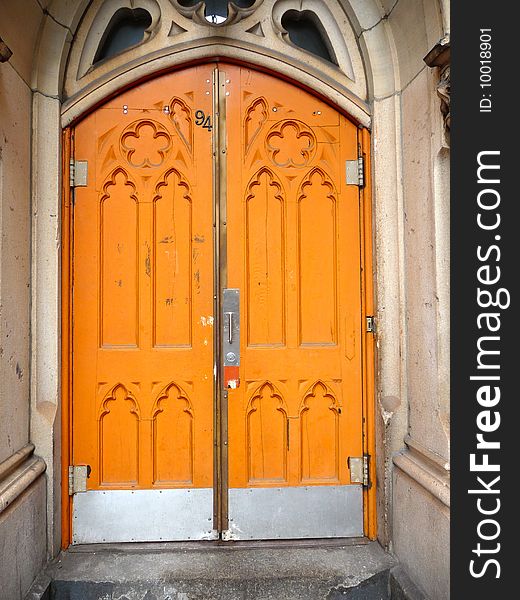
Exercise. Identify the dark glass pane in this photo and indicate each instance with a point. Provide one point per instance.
(217, 8)
(188, 3)
(126, 29)
(306, 31)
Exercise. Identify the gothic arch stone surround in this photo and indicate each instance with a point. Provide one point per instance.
(177, 36)
(64, 89)
(370, 92)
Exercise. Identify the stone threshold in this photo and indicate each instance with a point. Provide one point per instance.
(308, 570)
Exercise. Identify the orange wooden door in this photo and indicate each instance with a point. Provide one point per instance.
(269, 179)
(143, 309)
(293, 251)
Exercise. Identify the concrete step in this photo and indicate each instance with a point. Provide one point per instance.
(231, 571)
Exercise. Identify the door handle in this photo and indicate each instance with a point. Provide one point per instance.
(230, 327)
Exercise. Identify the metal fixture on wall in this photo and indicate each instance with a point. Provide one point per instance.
(439, 56)
(5, 51)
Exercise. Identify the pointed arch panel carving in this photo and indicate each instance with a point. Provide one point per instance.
(255, 117)
(265, 252)
(173, 448)
(118, 449)
(172, 264)
(182, 119)
(317, 259)
(319, 418)
(266, 418)
(119, 251)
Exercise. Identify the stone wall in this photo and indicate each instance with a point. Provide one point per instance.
(420, 495)
(15, 224)
(22, 486)
(23, 541)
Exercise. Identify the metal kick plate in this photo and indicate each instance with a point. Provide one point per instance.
(142, 515)
(295, 512)
(231, 326)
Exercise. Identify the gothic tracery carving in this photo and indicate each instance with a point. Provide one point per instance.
(197, 10)
(183, 24)
(180, 114)
(290, 143)
(145, 143)
(256, 116)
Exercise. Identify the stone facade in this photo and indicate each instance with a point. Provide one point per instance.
(383, 81)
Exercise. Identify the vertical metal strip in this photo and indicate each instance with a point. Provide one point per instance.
(370, 347)
(363, 321)
(220, 485)
(66, 337)
(216, 311)
(223, 282)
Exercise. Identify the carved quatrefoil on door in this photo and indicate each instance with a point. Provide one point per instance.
(290, 144)
(145, 144)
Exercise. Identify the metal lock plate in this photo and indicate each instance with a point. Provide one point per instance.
(231, 327)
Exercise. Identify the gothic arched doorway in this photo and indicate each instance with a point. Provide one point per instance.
(220, 362)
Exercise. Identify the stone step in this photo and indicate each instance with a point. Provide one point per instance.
(216, 571)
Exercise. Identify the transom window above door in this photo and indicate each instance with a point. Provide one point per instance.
(122, 37)
(126, 29)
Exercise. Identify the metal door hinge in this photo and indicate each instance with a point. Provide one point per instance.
(355, 172)
(371, 324)
(78, 173)
(360, 469)
(78, 475)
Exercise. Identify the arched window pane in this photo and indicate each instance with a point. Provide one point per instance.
(125, 29)
(306, 31)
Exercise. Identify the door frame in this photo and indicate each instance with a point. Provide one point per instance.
(367, 309)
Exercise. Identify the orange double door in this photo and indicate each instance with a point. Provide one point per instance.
(217, 329)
